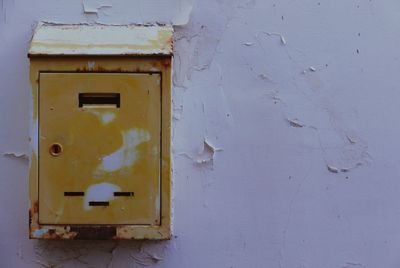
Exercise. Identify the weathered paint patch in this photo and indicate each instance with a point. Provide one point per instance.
(105, 117)
(40, 232)
(206, 153)
(102, 192)
(127, 154)
(50, 39)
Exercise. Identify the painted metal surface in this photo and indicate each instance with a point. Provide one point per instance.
(105, 148)
(109, 169)
(54, 39)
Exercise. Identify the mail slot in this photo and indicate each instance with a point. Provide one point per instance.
(99, 99)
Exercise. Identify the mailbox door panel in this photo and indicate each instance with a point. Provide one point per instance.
(99, 148)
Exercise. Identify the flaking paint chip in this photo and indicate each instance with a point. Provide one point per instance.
(206, 153)
(333, 169)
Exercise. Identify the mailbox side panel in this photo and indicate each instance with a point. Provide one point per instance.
(34, 148)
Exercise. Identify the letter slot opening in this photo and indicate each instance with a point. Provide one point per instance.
(99, 203)
(107, 100)
(74, 193)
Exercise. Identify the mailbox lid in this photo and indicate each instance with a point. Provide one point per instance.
(60, 39)
(110, 148)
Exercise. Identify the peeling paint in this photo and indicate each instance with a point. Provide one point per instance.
(145, 258)
(92, 7)
(295, 123)
(206, 153)
(175, 12)
(17, 155)
(183, 13)
(89, 10)
(351, 139)
(350, 117)
(281, 37)
(333, 169)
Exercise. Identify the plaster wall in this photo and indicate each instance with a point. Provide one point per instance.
(285, 134)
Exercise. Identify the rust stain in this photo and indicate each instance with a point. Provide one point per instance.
(97, 46)
(59, 234)
(166, 63)
(100, 69)
(35, 208)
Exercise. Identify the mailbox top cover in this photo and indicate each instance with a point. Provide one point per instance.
(97, 39)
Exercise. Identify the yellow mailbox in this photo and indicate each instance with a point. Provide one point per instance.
(100, 132)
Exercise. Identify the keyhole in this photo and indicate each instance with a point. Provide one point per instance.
(55, 149)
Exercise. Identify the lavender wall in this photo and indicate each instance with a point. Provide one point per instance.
(285, 137)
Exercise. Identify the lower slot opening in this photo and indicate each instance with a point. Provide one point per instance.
(99, 203)
(74, 193)
(124, 193)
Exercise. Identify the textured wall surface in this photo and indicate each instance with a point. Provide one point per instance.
(285, 143)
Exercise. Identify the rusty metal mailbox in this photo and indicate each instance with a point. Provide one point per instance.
(100, 132)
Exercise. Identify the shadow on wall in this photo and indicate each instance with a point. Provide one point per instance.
(99, 254)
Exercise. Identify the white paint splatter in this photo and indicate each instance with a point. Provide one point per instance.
(127, 154)
(101, 192)
(105, 117)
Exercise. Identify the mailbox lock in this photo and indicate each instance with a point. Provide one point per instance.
(55, 149)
